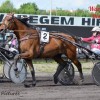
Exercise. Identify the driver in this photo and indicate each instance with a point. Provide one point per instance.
(94, 39)
(11, 42)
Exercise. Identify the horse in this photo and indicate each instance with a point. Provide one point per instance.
(30, 47)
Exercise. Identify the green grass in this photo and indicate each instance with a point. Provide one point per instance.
(1, 68)
(51, 66)
(42, 61)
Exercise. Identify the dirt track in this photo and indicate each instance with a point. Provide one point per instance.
(47, 90)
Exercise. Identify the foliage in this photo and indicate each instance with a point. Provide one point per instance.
(32, 8)
(41, 12)
(98, 10)
(81, 12)
(28, 8)
(7, 7)
(78, 12)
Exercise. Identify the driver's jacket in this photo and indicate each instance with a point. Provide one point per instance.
(12, 45)
(93, 38)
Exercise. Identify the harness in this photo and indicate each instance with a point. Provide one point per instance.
(34, 36)
(30, 35)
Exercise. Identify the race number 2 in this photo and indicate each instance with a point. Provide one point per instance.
(44, 36)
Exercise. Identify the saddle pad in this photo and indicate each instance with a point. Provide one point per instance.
(44, 36)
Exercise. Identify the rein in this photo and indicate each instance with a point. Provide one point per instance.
(29, 36)
(23, 31)
(32, 36)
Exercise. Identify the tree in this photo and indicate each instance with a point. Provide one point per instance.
(7, 7)
(28, 8)
(98, 9)
(82, 13)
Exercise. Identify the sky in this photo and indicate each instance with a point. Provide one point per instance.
(55, 4)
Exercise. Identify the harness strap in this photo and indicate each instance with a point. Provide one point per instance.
(33, 36)
(29, 36)
(41, 49)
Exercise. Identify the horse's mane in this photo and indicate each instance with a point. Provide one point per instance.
(26, 24)
(24, 21)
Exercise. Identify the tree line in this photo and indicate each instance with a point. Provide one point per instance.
(32, 8)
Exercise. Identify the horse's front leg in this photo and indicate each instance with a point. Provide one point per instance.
(29, 62)
(15, 62)
(28, 58)
(19, 56)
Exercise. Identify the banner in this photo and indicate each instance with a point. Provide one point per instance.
(58, 20)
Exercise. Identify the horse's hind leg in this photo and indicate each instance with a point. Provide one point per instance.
(77, 63)
(79, 67)
(60, 67)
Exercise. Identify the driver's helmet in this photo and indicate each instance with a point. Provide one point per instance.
(9, 35)
(96, 29)
(14, 36)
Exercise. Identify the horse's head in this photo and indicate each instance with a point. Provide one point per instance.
(19, 26)
(8, 22)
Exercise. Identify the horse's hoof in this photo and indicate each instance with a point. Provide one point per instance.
(81, 82)
(75, 82)
(1, 76)
(29, 85)
(55, 80)
(33, 84)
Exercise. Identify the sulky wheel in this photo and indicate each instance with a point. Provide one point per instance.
(96, 73)
(20, 75)
(67, 74)
(6, 68)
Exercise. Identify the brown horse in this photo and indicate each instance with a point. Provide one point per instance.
(29, 46)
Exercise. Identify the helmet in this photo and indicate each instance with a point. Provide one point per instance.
(14, 36)
(96, 29)
(11, 31)
(9, 34)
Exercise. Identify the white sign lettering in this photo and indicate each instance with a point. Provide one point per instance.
(58, 20)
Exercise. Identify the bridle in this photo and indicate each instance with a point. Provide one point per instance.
(7, 25)
(26, 37)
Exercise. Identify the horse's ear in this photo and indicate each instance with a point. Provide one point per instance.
(8, 13)
(12, 13)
